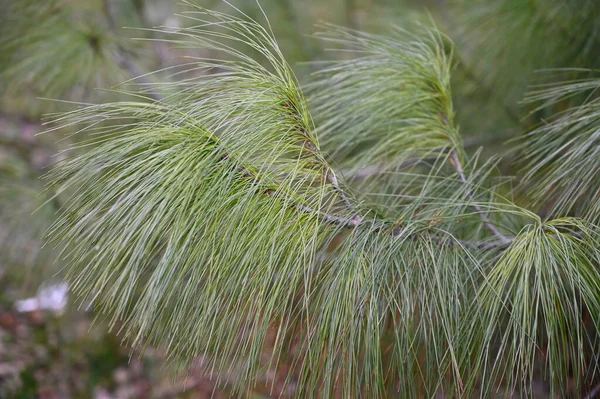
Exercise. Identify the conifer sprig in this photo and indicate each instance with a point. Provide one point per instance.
(561, 157)
(535, 304)
(390, 102)
(212, 222)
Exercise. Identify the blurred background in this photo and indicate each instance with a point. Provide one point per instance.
(56, 53)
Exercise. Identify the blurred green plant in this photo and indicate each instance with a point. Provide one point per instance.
(59, 50)
(502, 43)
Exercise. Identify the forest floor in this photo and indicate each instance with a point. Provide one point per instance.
(51, 356)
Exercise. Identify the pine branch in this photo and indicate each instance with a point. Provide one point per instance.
(381, 107)
(334, 181)
(560, 159)
(270, 191)
(490, 226)
(488, 245)
(211, 222)
(533, 300)
(337, 220)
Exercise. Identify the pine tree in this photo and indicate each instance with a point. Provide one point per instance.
(343, 225)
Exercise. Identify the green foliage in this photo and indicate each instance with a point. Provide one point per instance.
(392, 101)
(188, 196)
(535, 298)
(221, 213)
(561, 161)
(57, 54)
(503, 42)
(67, 50)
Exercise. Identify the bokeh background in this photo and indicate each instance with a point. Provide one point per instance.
(57, 53)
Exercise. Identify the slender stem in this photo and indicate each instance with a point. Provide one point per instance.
(336, 185)
(342, 221)
(485, 244)
(333, 219)
(490, 226)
